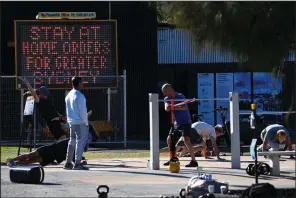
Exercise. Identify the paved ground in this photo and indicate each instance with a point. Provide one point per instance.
(131, 178)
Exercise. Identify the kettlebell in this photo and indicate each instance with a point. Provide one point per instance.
(182, 193)
(174, 167)
(103, 193)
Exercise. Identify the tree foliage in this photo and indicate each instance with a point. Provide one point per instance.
(262, 33)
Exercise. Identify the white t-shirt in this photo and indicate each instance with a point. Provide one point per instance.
(205, 130)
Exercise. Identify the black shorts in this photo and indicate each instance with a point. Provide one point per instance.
(60, 150)
(181, 130)
(46, 154)
(56, 129)
(195, 139)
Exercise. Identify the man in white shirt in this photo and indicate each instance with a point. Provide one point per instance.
(207, 132)
(77, 118)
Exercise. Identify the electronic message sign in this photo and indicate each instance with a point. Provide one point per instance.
(54, 51)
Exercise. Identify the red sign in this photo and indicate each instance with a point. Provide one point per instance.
(54, 51)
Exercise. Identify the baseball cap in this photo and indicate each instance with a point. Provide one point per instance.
(44, 90)
(166, 85)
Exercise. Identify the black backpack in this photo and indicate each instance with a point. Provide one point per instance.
(260, 190)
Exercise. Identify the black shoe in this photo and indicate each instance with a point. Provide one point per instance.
(192, 164)
(83, 158)
(84, 162)
(171, 160)
(167, 163)
(68, 166)
(80, 167)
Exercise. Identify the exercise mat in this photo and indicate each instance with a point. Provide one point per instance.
(27, 174)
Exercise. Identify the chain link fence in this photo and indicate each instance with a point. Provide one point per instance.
(107, 122)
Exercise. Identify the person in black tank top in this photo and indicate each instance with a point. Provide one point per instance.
(44, 155)
(47, 110)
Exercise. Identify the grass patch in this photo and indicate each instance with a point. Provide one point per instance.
(7, 151)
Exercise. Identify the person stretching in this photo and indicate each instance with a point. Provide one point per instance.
(45, 155)
(208, 132)
(273, 136)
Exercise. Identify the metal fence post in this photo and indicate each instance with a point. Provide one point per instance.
(154, 131)
(235, 130)
(21, 123)
(124, 110)
(35, 115)
(109, 104)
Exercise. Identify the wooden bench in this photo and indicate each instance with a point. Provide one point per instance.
(102, 128)
(274, 160)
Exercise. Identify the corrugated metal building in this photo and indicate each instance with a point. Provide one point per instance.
(175, 46)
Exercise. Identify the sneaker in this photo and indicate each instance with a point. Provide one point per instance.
(80, 167)
(84, 162)
(192, 164)
(68, 166)
(167, 163)
(10, 162)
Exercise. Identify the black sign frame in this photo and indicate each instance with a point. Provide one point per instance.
(19, 67)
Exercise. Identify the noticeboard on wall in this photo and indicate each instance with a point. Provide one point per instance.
(205, 86)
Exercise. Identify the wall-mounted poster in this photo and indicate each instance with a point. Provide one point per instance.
(242, 85)
(224, 85)
(267, 89)
(205, 86)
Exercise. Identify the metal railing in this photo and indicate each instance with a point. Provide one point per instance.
(108, 106)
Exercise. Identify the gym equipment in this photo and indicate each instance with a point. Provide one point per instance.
(182, 193)
(174, 166)
(27, 174)
(103, 191)
(262, 169)
(185, 102)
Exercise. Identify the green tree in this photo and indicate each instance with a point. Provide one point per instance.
(262, 33)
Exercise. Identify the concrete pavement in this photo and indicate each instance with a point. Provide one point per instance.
(131, 178)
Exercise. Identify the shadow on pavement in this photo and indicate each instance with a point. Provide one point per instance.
(50, 184)
(150, 173)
